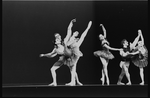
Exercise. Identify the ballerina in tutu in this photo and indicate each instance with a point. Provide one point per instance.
(74, 43)
(140, 57)
(62, 50)
(105, 55)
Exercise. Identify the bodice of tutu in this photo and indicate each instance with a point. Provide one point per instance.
(142, 52)
(67, 51)
(103, 42)
(141, 59)
(76, 50)
(64, 50)
(59, 49)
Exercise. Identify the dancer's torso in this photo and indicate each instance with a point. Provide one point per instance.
(103, 42)
(75, 49)
(59, 49)
(127, 57)
(142, 52)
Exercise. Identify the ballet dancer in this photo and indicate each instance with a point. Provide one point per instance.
(140, 53)
(74, 43)
(105, 55)
(60, 49)
(126, 58)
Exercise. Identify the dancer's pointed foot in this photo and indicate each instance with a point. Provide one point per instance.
(129, 83)
(79, 83)
(107, 82)
(53, 84)
(142, 83)
(102, 79)
(120, 83)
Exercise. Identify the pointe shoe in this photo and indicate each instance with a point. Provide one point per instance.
(107, 82)
(120, 83)
(52, 84)
(129, 83)
(142, 83)
(102, 79)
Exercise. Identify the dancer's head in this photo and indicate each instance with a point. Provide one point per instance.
(57, 38)
(76, 33)
(101, 37)
(124, 42)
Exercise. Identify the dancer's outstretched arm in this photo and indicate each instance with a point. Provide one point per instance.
(84, 34)
(108, 47)
(134, 53)
(51, 54)
(104, 30)
(142, 38)
(132, 45)
(69, 31)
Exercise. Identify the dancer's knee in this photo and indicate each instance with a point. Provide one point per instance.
(54, 68)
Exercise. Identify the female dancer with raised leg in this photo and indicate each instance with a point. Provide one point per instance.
(105, 55)
(60, 49)
(75, 43)
(141, 56)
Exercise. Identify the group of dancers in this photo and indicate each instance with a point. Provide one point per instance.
(69, 52)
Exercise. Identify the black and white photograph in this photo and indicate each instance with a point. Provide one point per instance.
(75, 48)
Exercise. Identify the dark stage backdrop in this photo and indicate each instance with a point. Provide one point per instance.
(28, 29)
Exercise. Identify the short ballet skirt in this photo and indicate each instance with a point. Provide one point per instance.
(71, 61)
(140, 60)
(104, 54)
(68, 62)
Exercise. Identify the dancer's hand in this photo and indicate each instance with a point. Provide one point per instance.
(139, 32)
(41, 55)
(101, 24)
(74, 20)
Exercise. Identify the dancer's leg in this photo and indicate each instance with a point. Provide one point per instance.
(103, 77)
(77, 79)
(127, 72)
(72, 71)
(122, 74)
(142, 75)
(53, 72)
(76, 75)
(105, 63)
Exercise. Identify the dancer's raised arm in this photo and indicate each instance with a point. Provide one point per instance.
(104, 30)
(132, 45)
(69, 31)
(51, 54)
(84, 34)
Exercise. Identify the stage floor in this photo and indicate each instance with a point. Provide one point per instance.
(95, 90)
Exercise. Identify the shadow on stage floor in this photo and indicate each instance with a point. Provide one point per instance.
(75, 91)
